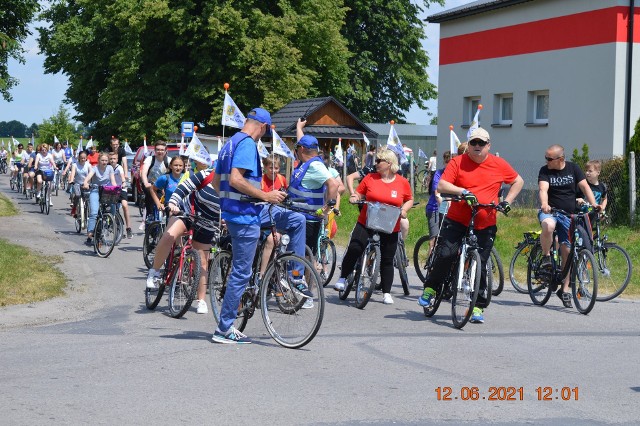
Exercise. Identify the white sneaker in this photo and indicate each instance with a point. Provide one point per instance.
(141, 227)
(339, 285)
(308, 304)
(202, 307)
(152, 279)
(51, 203)
(386, 299)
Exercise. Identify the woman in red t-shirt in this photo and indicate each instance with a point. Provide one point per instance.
(272, 180)
(387, 187)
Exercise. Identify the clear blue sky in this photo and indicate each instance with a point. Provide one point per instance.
(38, 95)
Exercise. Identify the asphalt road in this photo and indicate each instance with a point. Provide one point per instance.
(98, 356)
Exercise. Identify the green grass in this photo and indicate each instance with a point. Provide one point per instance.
(17, 285)
(510, 233)
(7, 208)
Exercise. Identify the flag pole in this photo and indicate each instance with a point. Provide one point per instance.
(226, 91)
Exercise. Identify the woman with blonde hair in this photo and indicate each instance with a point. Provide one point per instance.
(384, 186)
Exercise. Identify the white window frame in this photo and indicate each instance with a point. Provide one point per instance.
(501, 118)
(535, 96)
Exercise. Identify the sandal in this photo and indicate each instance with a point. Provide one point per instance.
(565, 297)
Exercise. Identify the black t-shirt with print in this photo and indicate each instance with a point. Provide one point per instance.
(563, 185)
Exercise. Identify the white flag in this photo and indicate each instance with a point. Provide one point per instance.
(454, 142)
(127, 148)
(55, 139)
(421, 154)
(475, 123)
(339, 154)
(79, 150)
(182, 149)
(90, 143)
(262, 150)
(219, 144)
(231, 114)
(393, 143)
(144, 146)
(196, 151)
(279, 147)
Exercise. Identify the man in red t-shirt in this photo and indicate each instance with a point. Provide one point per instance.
(477, 176)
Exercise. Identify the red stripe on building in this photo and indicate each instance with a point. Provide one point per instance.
(582, 29)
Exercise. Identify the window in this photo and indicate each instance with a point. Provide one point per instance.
(505, 109)
(538, 108)
(470, 107)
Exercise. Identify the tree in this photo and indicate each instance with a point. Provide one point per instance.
(634, 142)
(58, 125)
(581, 159)
(15, 15)
(33, 130)
(13, 128)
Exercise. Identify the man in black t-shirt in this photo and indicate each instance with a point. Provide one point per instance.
(559, 183)
(122, 156)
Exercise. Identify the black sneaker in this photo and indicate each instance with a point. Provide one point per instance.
(89, 241)
(299, 286)
(546, 262)
(129, 233)
(565, 297)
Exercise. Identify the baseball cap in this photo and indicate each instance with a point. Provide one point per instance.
(308, 141)
(261, 115)
(481, 134)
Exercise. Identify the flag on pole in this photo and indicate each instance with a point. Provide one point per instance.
(196, 151)
(182, 147)
(454, 142)
(33, 140)
(339, 154)
(79, 150)
(279, 147)
(262, 150)
(393, 143)
(475, 123)
(366, 141)
(55, 139)
(351, 149)
(219, 144)
(127, 148)
(90, 143)
(421, 154)
(231, 114)
(144, 145)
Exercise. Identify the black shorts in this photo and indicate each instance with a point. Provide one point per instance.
(201, 235)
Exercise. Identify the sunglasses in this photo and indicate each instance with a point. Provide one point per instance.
(380, 160)
(551, 159)
(478, 142)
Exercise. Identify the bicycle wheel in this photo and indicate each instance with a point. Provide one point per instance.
(12, 184)
(57, 184)
(497, 272)
(518, 267)
(119, 227)
(104, 235)
(365, 282)
(41, 203)
(185, 284)
(401, 264)
(291, 323)
(421, 257)
(614, 271)
(539, 280)
(430, 310)
(465, 292)
(153, 296)
(219, 270)
(47, 199)
(79, 213)
(348, 285)
(327, 260)
(152, 235)
(585, 281)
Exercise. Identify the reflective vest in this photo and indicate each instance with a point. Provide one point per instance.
(229, 196)
(314, 198)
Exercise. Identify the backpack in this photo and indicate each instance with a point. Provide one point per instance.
(165, 161)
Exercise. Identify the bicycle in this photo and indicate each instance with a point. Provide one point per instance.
(400, 261)
(613, 264)
(181, 273)
(289, 317)
(463, 279)
(153, 231)
(45, 194)
(380, 218)
(525, 251)
(542, 280)
(105, 232)
(81, 204)
(3, 166)
(495, 272)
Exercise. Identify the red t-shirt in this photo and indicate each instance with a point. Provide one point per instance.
(269, 185)
(484, 180)
(395, 193)
(94, 158)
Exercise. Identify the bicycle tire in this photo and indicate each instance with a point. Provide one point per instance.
(284, 313)
(41, 203)
(184, 285)
(401, 264)
(119, 227)
(490, 280)
(219, 270)
(518, 268)
(465, 293)
(152, 235)
(431, 310)
(327, 260)
(57, 184)
(496, 267)
(348, 285)
(79, 213)
(584, 279)
(539, 282)
(614, 271)
(365, 281)
(12, 184)
(153, 296)
(421, 257)
(47, 199)
(104, 235)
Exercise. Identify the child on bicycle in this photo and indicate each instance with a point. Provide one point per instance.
(599, 189)
(121, 180)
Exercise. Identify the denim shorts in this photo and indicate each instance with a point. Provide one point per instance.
(562, 225)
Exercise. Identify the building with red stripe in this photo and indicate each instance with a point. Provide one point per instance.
(545, 71)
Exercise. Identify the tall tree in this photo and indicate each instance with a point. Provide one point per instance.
(15, 16)
(59, 125)
(388, 59)
(13, 128)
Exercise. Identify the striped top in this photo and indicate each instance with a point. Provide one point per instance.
(206, 201)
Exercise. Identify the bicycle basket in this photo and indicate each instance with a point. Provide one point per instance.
(110, 194)
(382, 217)
(47, 175)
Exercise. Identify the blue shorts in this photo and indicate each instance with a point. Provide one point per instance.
(562, 225)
